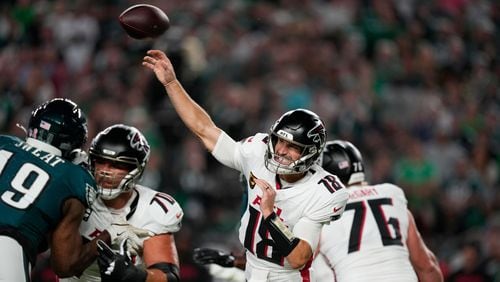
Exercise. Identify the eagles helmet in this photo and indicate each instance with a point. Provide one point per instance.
(300, 127)
(124, 145)
(343, 159)
(60, 123)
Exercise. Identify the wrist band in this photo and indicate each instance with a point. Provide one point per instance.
(281, 235)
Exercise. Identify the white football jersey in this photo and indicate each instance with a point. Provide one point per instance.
(147, 209)
(319, 197)
(369, 242)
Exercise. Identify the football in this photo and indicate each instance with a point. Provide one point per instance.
(143, 21)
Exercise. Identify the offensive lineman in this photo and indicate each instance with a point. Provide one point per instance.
(376, 239)
(118, 156)
(296, 197)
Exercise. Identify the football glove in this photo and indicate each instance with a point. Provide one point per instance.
(207, 255)
(79, 157)
(118, 267)
(121, 229)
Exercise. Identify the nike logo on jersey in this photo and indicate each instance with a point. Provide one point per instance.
(178, 215)
(336, 209)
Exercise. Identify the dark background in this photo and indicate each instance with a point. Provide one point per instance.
(414, 84)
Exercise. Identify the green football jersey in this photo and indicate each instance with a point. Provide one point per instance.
(33, 187)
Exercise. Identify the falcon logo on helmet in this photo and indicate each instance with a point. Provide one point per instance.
(317, 134)
(138, 142)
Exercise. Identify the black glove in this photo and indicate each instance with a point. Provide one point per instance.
(118, 266)
(206, 256)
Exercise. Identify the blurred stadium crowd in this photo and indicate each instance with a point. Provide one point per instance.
(414, 84)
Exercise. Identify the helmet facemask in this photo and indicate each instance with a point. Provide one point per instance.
(307, 158)
(120, 182)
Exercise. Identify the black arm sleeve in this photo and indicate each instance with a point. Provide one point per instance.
(171, 270)
(282, 236)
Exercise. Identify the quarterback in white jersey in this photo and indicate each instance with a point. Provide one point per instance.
(289, 197)
(308, 199)
(118, 156)
(376, 239)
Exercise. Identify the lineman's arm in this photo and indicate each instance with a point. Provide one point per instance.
(423, 260)
(68, 256)
(160, 257)
(192, 114)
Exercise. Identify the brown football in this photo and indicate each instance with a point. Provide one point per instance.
(143, 20)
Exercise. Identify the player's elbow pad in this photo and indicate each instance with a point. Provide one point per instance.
(282, 236)
(171, 270)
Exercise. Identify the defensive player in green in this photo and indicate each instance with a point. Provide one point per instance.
(44, 196)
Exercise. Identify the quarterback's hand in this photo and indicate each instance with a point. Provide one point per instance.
(118, 266)
(207, 255)
(121, 229)
(157, 61)
(268, 197)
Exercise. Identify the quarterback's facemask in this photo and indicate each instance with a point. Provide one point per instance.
(302, 128)
(122, 147)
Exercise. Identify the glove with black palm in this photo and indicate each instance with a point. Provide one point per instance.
(207, 255)
(118, 267)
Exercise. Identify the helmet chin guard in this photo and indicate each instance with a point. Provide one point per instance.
(125, 185)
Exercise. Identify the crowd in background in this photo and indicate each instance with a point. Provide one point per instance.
(415, 85)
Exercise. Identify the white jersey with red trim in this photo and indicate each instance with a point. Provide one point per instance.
(147, 209)
(369, 242)
(318, 197)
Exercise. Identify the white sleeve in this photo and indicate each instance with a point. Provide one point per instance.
(226, 151)
(331, 209)
(308, 231)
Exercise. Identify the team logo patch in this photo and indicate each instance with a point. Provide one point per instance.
(251, 180)
(317, 134)
(138, 143)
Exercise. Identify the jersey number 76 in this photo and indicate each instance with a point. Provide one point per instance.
(382, 224)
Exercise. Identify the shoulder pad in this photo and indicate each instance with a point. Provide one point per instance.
(330, 207)
(394, 191)
(164, 214)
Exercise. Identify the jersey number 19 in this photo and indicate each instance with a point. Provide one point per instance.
(26, 185)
